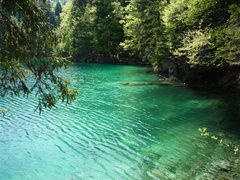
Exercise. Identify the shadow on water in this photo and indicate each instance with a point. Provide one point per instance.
(230, 98)
(231, 120)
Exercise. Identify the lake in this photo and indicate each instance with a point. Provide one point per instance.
(114, 130)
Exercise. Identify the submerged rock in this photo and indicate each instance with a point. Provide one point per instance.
(224, 170)
(4, 111)
(222, 165)
(162, 174)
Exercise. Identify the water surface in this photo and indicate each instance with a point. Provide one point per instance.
(113, 131)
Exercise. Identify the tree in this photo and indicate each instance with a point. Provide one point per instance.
(108, 31)
(76, 29)
(203, 32)
(49, 13)
(90, 28)
(144, 31)
(26, 42)
(58, 11)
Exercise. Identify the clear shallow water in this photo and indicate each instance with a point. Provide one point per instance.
(113, 131)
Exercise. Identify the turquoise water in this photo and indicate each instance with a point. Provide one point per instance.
(113, 130)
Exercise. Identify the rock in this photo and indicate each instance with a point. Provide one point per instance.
(222, 170)
(163, 174)
(222, 165)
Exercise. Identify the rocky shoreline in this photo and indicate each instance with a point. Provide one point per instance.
(204, 77)
(193, 76)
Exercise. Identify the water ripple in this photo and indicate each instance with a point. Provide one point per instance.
(110, 132)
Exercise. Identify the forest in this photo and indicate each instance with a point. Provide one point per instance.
(120, 89)
(190, 40)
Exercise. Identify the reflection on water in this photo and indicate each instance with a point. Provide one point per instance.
(114, 131)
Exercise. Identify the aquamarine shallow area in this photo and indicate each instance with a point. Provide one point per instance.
(112, 131)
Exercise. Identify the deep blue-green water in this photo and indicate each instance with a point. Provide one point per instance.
(113, 130)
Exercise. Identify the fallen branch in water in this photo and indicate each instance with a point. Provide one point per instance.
(163, 82)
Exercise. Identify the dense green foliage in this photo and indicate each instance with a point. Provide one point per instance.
(203, 32)
(144, 31)
(26, 40)
(58, 11)
(191, 32)
(53, 11)
(90, 28)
